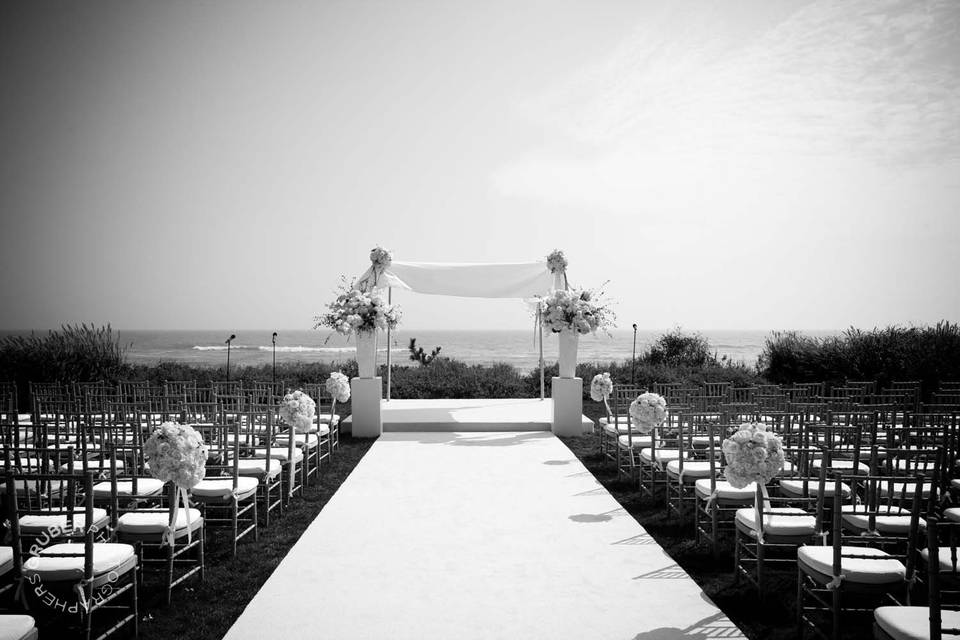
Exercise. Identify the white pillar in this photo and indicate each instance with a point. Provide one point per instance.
(567, 406)
(366, 394)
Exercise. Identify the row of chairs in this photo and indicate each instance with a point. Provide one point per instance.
(861, 483)
(87, 519)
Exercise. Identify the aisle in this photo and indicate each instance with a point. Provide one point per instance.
(477, 535)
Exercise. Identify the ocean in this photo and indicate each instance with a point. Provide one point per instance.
(518, 348)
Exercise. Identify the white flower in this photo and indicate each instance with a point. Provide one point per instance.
(601, 387)
(355, 310)
(575, 310)
(298, 410)
(753, 455)
(557, 262)
(338, 386)
(648, 411)
(176, 453)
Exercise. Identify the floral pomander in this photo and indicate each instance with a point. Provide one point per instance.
(338, 386)
(753, 455)
(298, 410)
(648, 411)
(176, 453)
(557, 262)
(601, 387)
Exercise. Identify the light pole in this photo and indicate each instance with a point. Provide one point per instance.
(274, 382)
(229, 340)
(633, 357)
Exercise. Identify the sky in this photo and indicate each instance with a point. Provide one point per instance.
(762, 164)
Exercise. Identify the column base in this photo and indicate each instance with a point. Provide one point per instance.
(567, 406)
(366, 395)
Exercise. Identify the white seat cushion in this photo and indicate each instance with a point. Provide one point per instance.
(794, 487)
(726, 492)
(309, 440)
(946, 563)
(6, 560)
(258, 467)
(107, 557)
(953, 514)
(36, 524)
(145, 487)
(912, 623)
(841, 465)
(617, 429)
(663, 455)
(222, 488)
(17, 627)
(280, 453)
(614, 419)
(325, 418)
(638, 441)
(914, 467)
(99, 464)
(692, 470)
(777, 522)
(897, 524)
(883, 570)
(904, 489)
(150, 522)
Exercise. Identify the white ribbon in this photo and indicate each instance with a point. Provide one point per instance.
(835, 583)
(756, 506)
(169, 534)
(713, 498)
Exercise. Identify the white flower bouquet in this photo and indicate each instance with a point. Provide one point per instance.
(753, 455)
(176, 453)
(557, 262)
(601, 387)
(355, 310)
(338, 386)
(648, 411)
(576, 310)
(298, 410)
(381, 259)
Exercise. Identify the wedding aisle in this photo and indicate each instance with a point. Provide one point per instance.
(477, 535)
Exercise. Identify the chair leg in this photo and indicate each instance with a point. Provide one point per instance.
(235, 524)
(169, 573)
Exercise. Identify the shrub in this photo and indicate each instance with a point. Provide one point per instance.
(679, 348)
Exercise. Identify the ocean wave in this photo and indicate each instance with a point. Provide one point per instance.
(302, 349)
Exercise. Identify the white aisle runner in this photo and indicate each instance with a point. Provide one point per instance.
(477, 535)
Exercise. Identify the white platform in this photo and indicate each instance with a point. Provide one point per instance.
(515, 414)
(477, 536)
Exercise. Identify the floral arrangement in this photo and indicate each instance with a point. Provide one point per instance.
(579, 311)
(557, 262)
(355, 310)
(176, 453)
(648, 411)
(338, 386)
(601, 387)
(753, 455)
(381, 259)
(298, 410)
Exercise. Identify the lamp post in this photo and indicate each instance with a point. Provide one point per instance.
(274, 376)
(229, 340)
(633, 357)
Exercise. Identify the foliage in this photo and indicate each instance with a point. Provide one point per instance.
(927, 354)
(679, 348)
(71, 354)
(418, 355)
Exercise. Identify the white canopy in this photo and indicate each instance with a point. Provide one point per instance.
(508, 280)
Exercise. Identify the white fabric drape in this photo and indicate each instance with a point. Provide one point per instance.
(509, 280)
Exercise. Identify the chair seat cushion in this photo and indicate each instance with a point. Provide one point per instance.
(841, 465)
(107, 557)
(692, 470)
(896, 524)
(35, 524)
(663, 455)
(914, 467)
(952, 514)
(726, 492)
(618, 429)
(622, 420)
(258, 467)
(280, 453)
(17, 627)
(946, 564)
(778, 521)
(306, 440)
(6, 560)
(222, 488)
(904, 489)
(96, 465)
(155, 522)
(145, 487)
(703, 441)
(638, 441)
(326, 418)
(884, 570)
(912, 623)
(794, 487)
